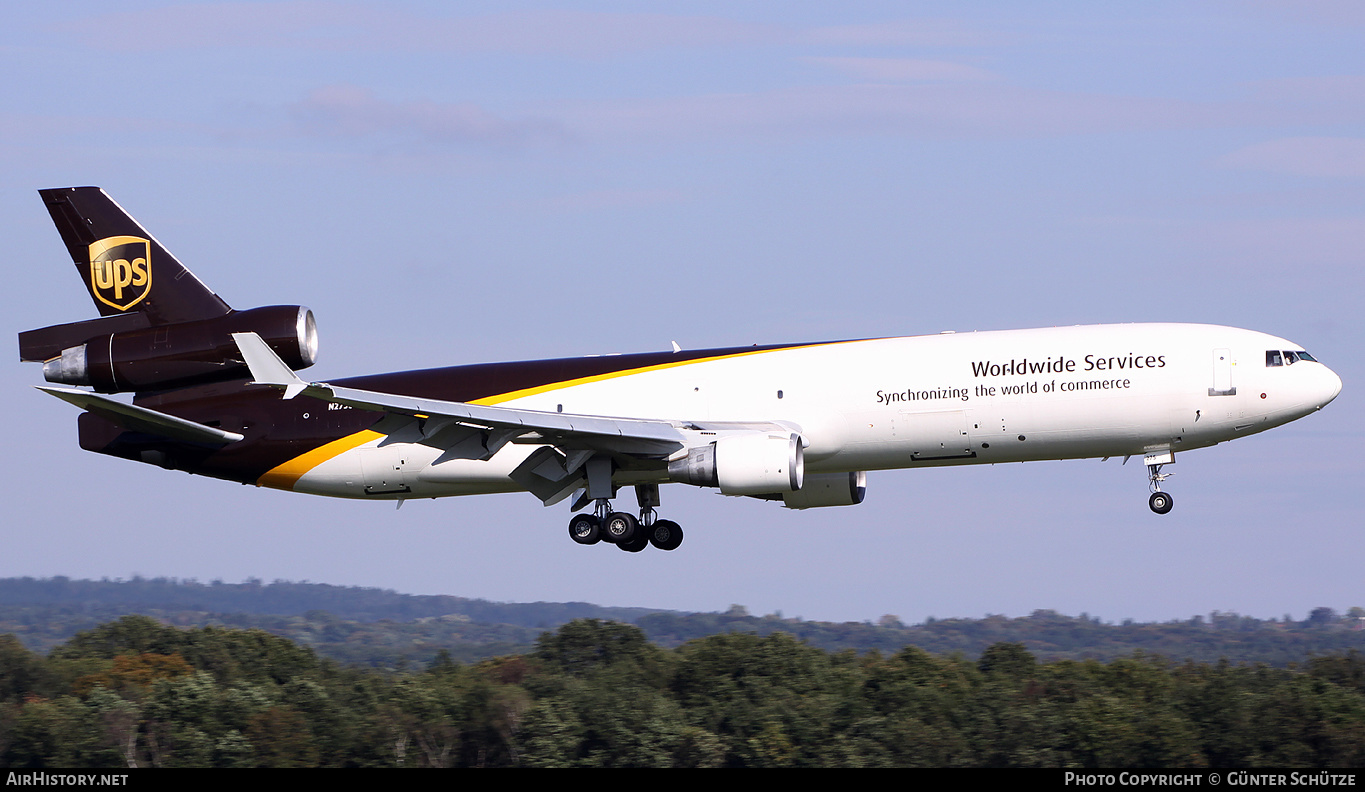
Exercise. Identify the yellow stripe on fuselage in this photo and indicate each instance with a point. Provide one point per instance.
(287, 474)
(554, 386)
(284, 476)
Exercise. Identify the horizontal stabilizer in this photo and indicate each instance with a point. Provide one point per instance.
(46, 343)
(141, 419)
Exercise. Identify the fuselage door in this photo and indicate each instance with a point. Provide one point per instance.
(935, 435)
(385, 469)
(1222, 374)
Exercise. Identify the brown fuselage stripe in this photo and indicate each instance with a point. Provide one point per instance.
(284, 443)
(450, 383)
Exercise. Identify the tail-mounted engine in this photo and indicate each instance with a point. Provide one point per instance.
(118, 358)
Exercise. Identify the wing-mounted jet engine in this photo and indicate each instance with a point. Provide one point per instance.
(215, 393)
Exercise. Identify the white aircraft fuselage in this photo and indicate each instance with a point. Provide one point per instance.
(945, 399)
(799, 423)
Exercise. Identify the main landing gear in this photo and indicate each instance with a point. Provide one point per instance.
(1160, 502)
(623, 529)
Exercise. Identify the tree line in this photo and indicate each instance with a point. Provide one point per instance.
(136, 692)
(385, 629)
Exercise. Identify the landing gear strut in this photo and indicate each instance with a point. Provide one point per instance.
(1160, 502)
(622, 528)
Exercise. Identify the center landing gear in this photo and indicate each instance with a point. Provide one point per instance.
(666, 535)
(585, 529)
(623, 529)
(1160, 502)
(619, 528)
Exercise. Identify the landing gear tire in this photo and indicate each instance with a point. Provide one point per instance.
(584, 529)
(1160, 502)
(665, 535)
(620, 528)
(636, 544)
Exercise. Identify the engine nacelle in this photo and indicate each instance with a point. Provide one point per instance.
(756, 463)
(187, 353)
(828, 489)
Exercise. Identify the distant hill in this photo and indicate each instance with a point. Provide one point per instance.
(383, 628)
(348, 623)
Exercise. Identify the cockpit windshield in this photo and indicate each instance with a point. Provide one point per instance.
(1277, 357)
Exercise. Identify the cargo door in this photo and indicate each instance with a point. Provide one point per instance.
(935, 435)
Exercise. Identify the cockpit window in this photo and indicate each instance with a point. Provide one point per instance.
(1277, 357)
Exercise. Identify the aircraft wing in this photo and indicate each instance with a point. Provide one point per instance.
(472, 431)
(141, 419)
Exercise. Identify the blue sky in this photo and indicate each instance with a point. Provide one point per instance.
(448, 183)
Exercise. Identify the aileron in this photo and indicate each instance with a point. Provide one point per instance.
(799, 424)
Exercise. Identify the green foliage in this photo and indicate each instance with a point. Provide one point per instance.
(21, 671)
(384, 629)
(136, 692)
(1007, 659)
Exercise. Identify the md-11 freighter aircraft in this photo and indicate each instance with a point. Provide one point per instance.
(796, 423)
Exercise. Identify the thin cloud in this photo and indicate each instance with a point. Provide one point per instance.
(1331, 99)
(903, 33)
(348, 111)
(916, 110)
(905, 70)
(612, 198)
(1308, 251)
(349, 27)
(1323, 157)
(346, 27)
(1330, 13)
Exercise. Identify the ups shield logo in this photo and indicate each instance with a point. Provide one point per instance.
(121, 271)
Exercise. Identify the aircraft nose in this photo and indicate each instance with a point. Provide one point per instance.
(1332, 387)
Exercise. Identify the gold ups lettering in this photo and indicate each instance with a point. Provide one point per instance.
(121, 271)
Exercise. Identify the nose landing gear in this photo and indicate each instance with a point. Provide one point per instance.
(1160, 502)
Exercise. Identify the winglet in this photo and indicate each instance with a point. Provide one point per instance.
(266, 366)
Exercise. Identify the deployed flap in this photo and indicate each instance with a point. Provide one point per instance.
(141, 419)
(544, 475)
(624, 435)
